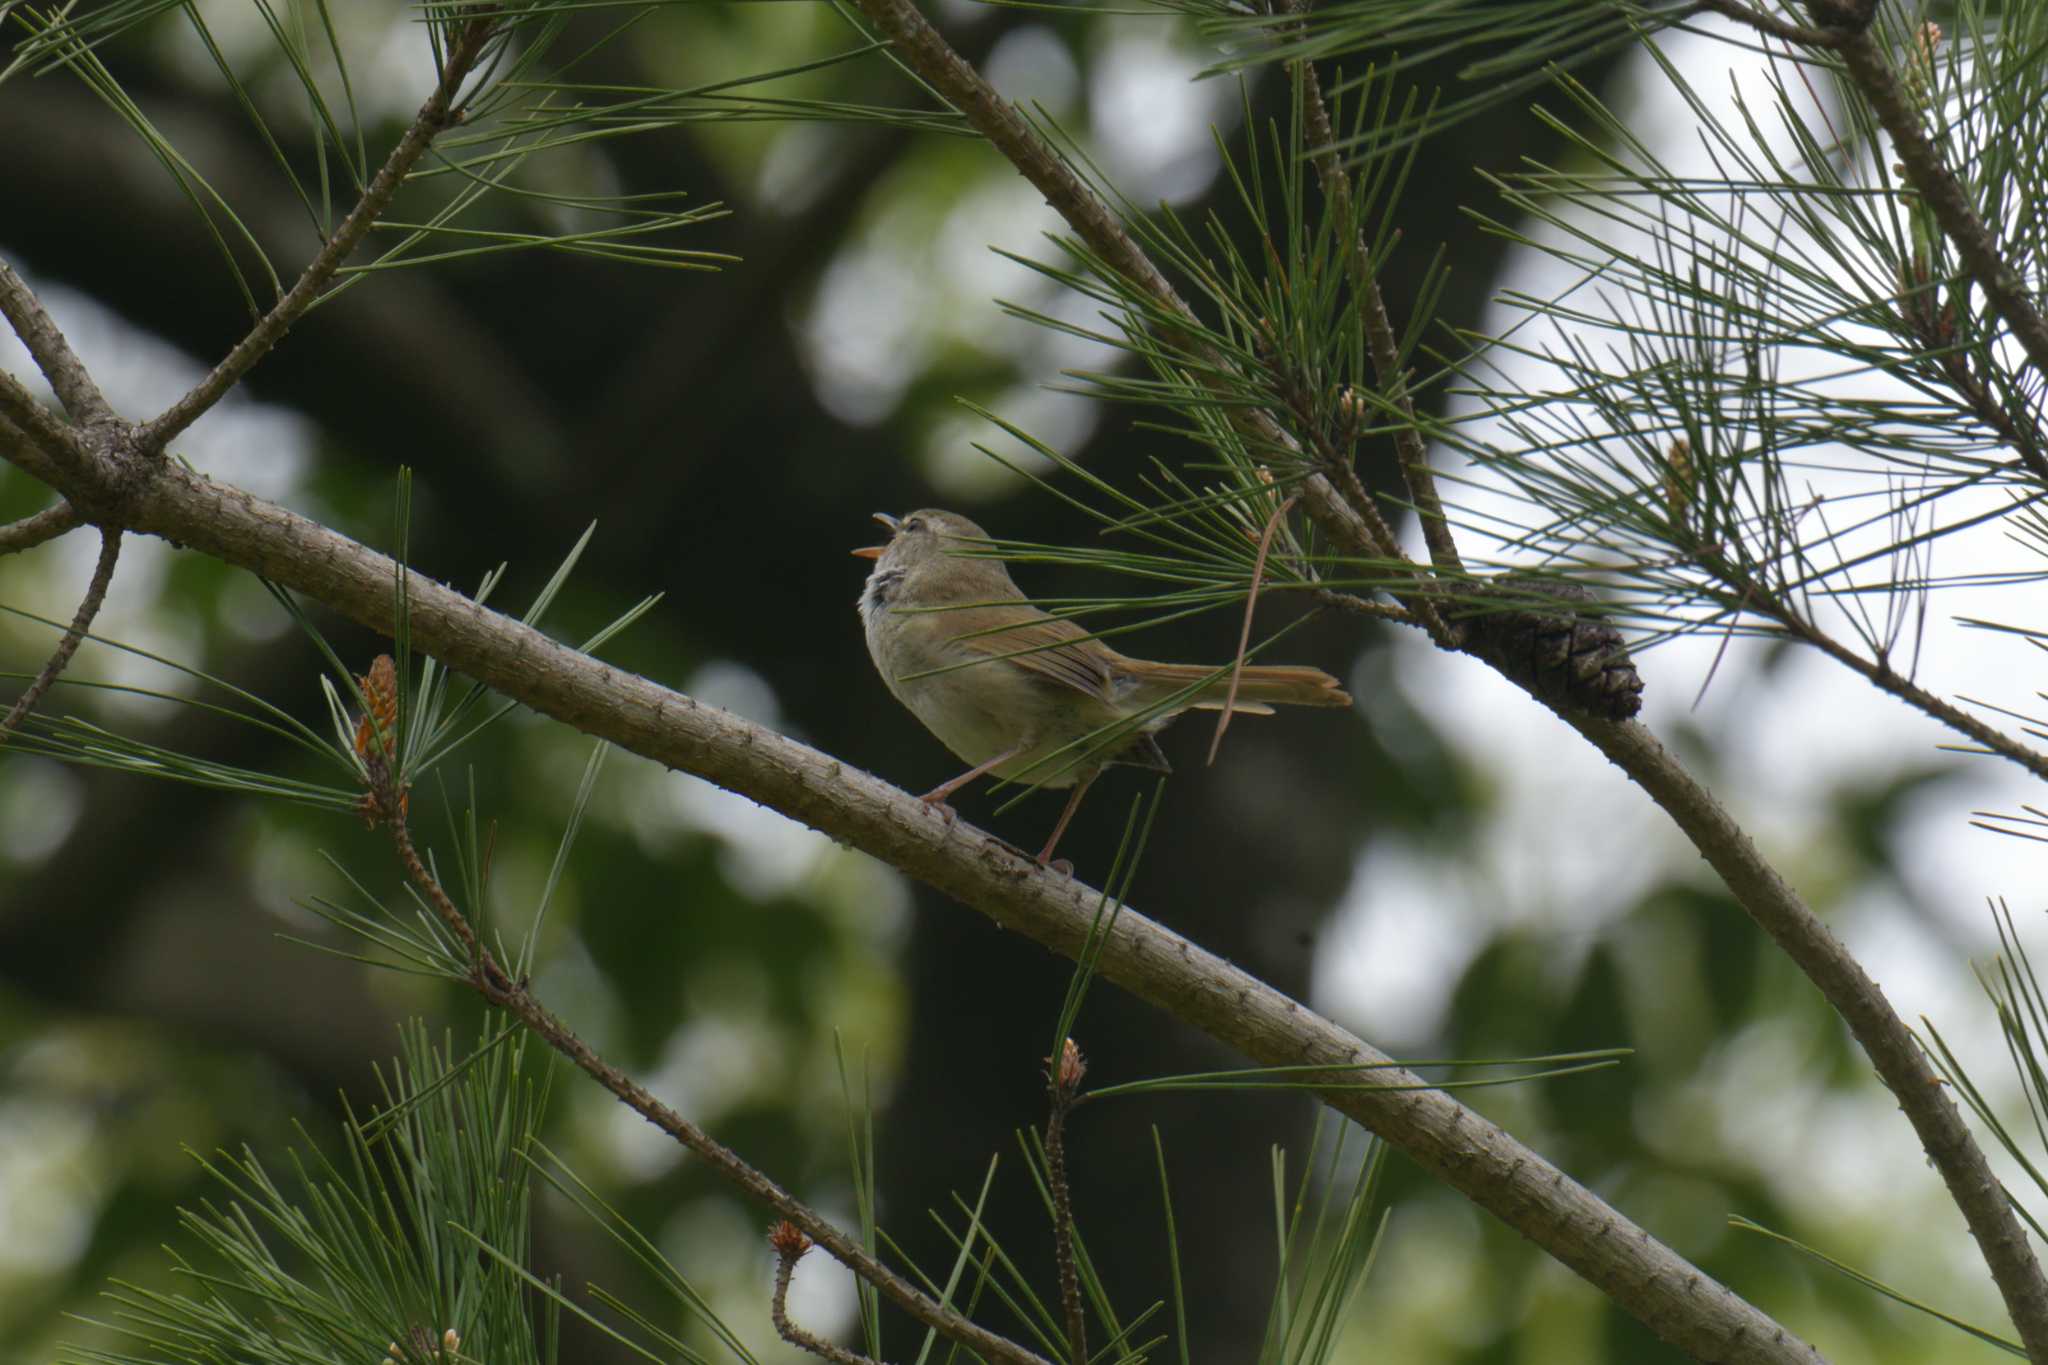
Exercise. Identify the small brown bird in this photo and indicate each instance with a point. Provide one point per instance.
(1006, 686)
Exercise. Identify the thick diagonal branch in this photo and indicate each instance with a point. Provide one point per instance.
(1679, 1302)
(1884, 1037)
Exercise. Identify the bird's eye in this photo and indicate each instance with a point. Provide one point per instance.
(914, 524)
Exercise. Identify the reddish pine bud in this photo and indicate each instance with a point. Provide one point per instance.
(1073, 1066)
(380, 694)
(789, 1241)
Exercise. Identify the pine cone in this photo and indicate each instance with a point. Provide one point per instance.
(1557, 654)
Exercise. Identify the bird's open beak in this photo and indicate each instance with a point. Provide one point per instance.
(875, 551)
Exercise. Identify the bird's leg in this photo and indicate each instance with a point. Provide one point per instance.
(1073, 804)
(937, 795)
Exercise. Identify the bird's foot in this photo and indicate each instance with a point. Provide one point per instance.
(1058, 866)
(937, 802)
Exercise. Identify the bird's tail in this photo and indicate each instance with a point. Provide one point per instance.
(1259, 686)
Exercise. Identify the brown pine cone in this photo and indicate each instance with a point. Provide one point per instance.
(1558, 654)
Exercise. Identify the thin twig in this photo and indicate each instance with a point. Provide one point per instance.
(1881, 676)
(36, 529)
(52, 433)
(1361, 606)
(491, 981)
(502, 991)
(430, 887)
(1361, 530)
(790, 1245)
(69, 379)
(1409, 446)
(1928, 171)
(1063, 1082)
(81, 622)
(1878, 672)
(1244, 635)
(436, 114)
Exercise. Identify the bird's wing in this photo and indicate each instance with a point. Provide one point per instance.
(1047, 647)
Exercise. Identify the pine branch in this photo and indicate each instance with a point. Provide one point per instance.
(1879, 673)
(1764, 895)
(1776, 908)
(1678, 1301)
(1379, 329)
(1358, 528)
(438, 113)
(1929, 172)
(1884, 1037)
